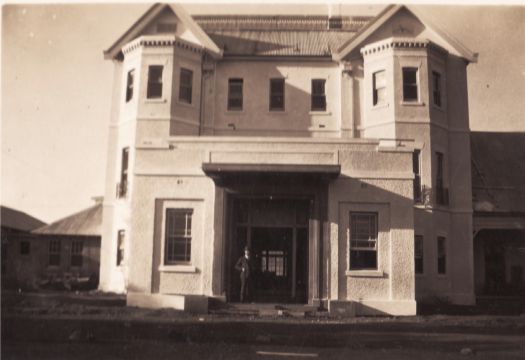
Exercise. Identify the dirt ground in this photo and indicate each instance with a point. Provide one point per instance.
(93, 325)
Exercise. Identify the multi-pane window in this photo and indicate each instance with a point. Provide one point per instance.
(122, 187)
(25, 247)
(274, 261)
(410, 84)
(416, 166)
(121, 236)
(185, 85)
(418, 254)
(178, 236)
(54, 252)
(129, 85)
(77, 247)
(318, 95)
(441, 255)
(379, 86)
(436, 88)
(235, 94)
(154, 90)
(363, 241)
(276, 94)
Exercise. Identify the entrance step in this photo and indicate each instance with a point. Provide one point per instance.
(266, 310)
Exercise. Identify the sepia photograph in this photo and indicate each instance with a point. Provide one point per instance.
(262, 180)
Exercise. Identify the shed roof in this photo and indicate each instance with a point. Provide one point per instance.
(87, 222)
(18, 220)
(498, 171)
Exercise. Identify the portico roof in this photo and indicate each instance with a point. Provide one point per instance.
(220, 170)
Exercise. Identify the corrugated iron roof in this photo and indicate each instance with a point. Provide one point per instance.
(253, 35)
(277, 43)
(87, 222)
(18, 220)
(498, 171)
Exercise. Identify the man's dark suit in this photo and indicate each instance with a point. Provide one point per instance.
(245, 266)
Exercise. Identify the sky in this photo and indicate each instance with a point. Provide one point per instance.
(56, 87)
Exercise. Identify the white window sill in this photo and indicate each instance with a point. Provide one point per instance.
(158, 101)
(320, 113)
(365, 273)
(412, 103)
(178, 268)
(380, 106)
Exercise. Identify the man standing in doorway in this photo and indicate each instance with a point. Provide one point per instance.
(245, 266)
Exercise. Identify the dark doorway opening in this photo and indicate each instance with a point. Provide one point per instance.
(276, 231)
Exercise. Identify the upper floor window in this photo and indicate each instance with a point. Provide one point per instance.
(441, 255)
(235, 94)
(418, 254)
(276, 94)
(129, 85)
(54, 252)
(76, 253)
(441, 192)
(416, 166)
(363, 241)
(318, 95)
(186, 85)
(436, 88)
(154, 90)
(122, 187)
(120, 246)
(178, 236)
(410, 84)
(379, 86)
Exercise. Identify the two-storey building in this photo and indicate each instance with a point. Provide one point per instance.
(336, 148)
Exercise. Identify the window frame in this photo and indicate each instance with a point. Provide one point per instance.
(121, 238)
(25, 248)
(187, 236)
(437, 91)
(130, 83)
(273, 95)
(376, 89)
(315, 96)
(237, 96)
(441, 258)
(411, 85)
(186, 87)
(419, 239)
(122, 188)
(155, 84)
(351, 235)
(416, 167)
(77, 250)
(54, 252)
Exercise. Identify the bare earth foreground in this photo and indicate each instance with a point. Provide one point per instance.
(97, 326)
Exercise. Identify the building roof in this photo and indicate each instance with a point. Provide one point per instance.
(18, 220)
(498, 172)
(87, 222)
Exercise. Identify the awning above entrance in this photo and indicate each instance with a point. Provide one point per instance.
(219, 171)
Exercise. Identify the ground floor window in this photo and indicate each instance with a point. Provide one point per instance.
(442, 255)
(178, 236)
(418, 254)
(25, 247)
(363, 241)
(274, 261)
(54, 252)
(76, 253)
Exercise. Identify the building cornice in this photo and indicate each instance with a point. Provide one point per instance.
(400, 43)
(161, 41)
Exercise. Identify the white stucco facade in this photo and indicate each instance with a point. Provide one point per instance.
(353, 158)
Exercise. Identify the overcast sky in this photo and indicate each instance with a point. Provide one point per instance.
(56, 88)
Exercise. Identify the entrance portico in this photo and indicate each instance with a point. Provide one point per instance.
(278, 212)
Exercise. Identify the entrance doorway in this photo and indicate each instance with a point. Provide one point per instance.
(276, 231)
